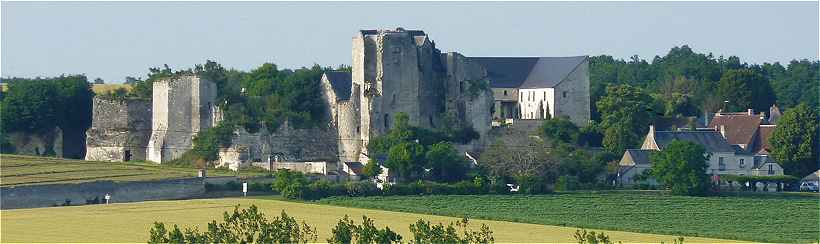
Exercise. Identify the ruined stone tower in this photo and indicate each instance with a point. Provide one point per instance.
(401, 71)
(120, 129)
(182, 106)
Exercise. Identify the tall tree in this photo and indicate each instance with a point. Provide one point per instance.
(626, 113)
(681, 166)
(794, 141)
(745, 88)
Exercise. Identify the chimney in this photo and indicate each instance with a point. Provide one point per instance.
(652, 129)
(723, 131)
(750, 112)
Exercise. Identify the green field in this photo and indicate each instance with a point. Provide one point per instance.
(129, 222)
(17, 170)
(752, 218)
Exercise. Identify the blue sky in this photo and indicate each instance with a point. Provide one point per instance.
(112, 40)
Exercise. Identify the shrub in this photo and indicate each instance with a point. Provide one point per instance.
(566, 183)
(242, 226)
(361, 188)
(424, 232)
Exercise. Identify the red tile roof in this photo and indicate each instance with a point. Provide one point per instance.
(762, 139)
(740, 129)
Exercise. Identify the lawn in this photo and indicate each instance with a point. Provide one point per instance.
(129, 222)
(18, 170)
(776, 218)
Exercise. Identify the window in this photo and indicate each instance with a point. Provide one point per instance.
(771, 169)
(564, 94)
(545, 96)
(386, 121)
(505, 92)
(721, 164)
(741, 163)
(357, 129)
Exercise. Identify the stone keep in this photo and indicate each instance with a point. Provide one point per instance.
(182, 106)
(401, 71)
(120, 129)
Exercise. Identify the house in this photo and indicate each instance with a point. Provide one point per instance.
(539, 87)
(724, 158)
(748, 130)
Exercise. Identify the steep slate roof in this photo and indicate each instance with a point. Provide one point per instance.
(712, 141)
(356, 167)
(528, 72)
(341, 83)
(740, 129)
(639, 156)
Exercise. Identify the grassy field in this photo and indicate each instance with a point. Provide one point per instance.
(97, 88)
(16, 170)
(752, 218)
(129, 222)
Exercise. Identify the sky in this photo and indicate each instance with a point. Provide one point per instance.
(112, 40)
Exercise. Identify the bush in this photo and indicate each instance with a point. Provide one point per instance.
(346, 231)
(242, 226)
(361, 189)
(424, 232)
(566, 183)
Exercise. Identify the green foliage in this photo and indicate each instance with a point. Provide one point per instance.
(529, 165)
(290, 184)
(372, 169)
(794, 141)
(682, 167)
(242, 226)
(410, 150)
(445, 163)
(686, 81)
(38, 105)
(208, 141)
(346, 231)
(560, 129)
(584, 237)
(425, 232)
(745, 88)
(625, 116)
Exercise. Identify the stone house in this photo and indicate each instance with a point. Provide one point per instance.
(748, 130)
(724, 158)
(539, 87)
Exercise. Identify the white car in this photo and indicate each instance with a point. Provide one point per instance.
(808, 186)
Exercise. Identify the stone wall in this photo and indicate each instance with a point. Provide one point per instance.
(285, 144)
(182, 106)
(38, 196)
(119, 130)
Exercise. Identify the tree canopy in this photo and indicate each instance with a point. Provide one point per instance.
(681, 166)
(794, 141)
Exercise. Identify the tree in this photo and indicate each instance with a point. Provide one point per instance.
(794, 141)
(406, 159)
(445, 163)
(745, 89)
(625, 116)
(681, 166)
(346, 231)
(530, 165)
(560, 129)
(372, 169)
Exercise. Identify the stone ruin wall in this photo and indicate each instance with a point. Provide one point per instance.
(119, 127)
(182, 106)
(45, 144)
(285, 144)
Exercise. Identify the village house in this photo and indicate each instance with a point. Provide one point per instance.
(724, 157)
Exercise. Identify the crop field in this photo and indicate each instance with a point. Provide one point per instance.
(130, 222)
(97, 88)
(16, 170)
(775, 218)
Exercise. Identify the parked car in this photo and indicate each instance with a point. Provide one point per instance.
(809, 186)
